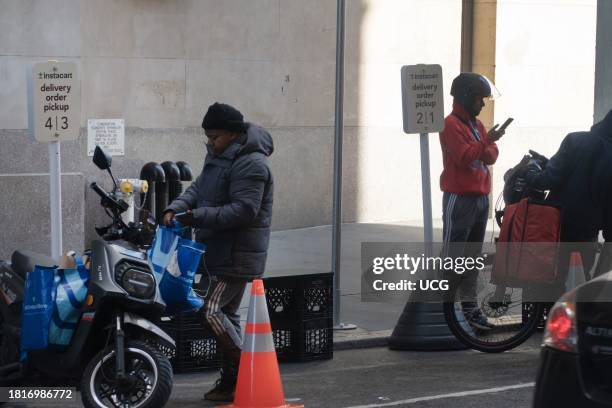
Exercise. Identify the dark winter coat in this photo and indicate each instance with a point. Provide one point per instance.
(231, 202)
(579, 176)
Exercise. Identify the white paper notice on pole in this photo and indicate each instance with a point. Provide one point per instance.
(54, 101)
(108, 134)
(422, 98)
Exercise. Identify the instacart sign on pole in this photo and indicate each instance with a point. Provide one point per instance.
(423, 112)
(422, 98)
(54, 116)
(55, 111)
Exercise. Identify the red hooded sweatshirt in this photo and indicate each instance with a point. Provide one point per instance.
(466, 151)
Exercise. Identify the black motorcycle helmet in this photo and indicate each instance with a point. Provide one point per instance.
(468, 86)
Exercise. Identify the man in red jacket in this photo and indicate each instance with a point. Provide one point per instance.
(467, 150)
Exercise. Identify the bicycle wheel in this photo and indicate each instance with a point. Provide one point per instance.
(497, 319)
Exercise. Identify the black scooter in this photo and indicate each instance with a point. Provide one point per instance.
(114, 356)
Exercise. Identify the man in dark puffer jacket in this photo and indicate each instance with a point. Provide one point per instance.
(579, 177)
(230, 206)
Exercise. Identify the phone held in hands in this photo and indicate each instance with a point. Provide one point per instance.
(505, 124)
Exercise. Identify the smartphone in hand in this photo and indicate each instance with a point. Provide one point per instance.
(505, 124)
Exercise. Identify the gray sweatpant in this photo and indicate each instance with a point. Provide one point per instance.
(221, 304)
(464, 226)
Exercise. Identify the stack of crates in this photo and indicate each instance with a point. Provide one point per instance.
(301, 314)
(196, 347)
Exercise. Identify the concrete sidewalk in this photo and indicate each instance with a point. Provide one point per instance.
(308, 251)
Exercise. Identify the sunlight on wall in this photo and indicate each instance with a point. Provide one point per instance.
(396, 33)
(545, 72)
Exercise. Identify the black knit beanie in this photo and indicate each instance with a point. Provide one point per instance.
(223, 116)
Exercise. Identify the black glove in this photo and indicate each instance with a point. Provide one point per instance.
(525, 161)
(541, 159)
(531, 170)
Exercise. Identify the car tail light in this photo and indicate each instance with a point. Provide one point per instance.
(561, 331)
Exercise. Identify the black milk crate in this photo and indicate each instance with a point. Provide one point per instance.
(300, 297)
(196, 353)
(185, 321)
(169, 326)
(306, 340)
(196, 347)
(167, 350)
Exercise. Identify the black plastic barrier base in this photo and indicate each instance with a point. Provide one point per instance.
(422, 326)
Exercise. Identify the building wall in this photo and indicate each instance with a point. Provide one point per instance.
(484, 46)
(383, 161)
(603, 73)
(159, 64)
(545, 66)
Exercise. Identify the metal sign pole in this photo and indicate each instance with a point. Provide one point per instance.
(423, 112)
(426, 188)
(339, 127)
(55, 186)
(54, 114)
(421, 325)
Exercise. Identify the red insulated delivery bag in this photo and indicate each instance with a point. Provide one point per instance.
(528, 244)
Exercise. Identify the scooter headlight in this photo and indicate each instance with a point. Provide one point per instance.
(138, 284)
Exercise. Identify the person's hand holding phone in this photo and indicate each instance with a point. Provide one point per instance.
(185, 218)
(496, 132)
(167, 219)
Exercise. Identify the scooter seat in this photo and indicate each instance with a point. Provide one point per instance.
(23, 262)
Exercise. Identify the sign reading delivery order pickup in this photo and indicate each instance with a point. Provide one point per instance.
(55, 113)
(422, 98)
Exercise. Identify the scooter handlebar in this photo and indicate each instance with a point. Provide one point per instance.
(95, 187)
(107, 200)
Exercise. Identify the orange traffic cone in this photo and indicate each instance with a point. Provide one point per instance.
(259, 383)
(575, 274)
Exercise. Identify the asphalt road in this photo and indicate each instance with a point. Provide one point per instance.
(379, 377)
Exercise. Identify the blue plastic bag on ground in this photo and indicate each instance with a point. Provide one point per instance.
(37, 308)
(70, 294)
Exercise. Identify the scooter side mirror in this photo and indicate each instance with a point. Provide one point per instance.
(102, 159)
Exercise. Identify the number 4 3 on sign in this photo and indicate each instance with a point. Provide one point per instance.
(63, 123)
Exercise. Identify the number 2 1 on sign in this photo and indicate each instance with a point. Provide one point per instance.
(425, 117)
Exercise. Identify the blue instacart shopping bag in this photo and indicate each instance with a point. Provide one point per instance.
(176, 286)
(37, 308)
(71, 291)
(163, 248)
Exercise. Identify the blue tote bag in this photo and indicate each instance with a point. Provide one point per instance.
(163, 248)
(37, 308)
(176, 286)
(70, 294)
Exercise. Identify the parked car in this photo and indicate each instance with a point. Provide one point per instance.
(576, 359)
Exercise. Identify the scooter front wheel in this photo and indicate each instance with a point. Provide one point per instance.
(148, 383)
